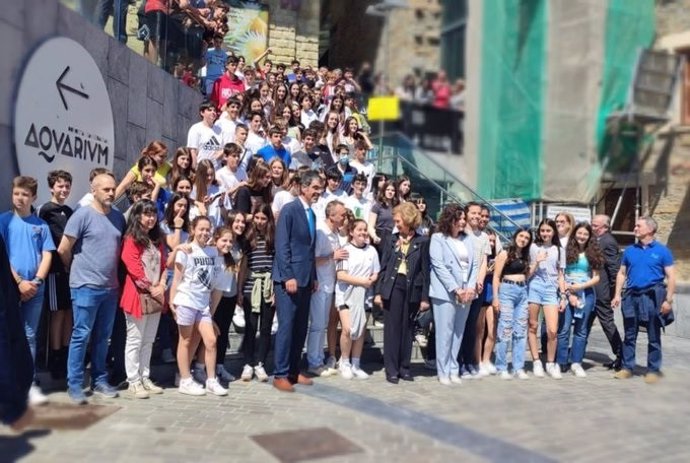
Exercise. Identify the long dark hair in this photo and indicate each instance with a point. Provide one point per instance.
(169, 214)
(200, 182)
(268, 234)
(381, 196)
(592, 251)
(515, 253)
(555, 241)
(134, 228)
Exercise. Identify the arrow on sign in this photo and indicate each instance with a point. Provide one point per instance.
(63, 87)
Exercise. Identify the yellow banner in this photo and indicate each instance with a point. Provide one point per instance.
(383, 108)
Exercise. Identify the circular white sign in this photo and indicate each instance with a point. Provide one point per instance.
(63, 118)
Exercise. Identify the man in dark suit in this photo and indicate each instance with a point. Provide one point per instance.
(601, 224)
(294, 279)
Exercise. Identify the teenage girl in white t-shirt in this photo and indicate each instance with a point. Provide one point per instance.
(193, 300)
(356, 275)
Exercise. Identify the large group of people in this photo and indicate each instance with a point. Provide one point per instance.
(273, 212)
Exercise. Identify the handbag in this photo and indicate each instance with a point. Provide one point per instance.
(149, 304)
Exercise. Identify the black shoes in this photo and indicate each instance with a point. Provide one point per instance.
(392, 379)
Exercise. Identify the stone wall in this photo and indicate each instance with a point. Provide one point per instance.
(148, 104)
(672, 16)
(294, 34)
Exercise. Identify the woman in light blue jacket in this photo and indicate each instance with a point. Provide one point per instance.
(454, 269)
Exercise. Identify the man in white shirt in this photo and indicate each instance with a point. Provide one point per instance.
(205, 139)
(328, 253)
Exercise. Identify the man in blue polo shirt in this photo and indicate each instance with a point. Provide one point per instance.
(275, 149)
(646, 299)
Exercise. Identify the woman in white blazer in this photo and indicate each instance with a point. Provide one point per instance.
(454, 269)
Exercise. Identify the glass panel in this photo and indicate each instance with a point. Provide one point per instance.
(395, 155)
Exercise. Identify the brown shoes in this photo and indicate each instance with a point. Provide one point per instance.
(652, 378)
(623, 374)
(301, 380)
(283, 384)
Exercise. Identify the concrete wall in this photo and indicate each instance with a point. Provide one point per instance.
(147, 103)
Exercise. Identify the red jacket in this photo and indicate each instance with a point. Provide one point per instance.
(135, 279)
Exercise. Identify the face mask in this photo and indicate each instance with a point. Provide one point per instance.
(344, 160)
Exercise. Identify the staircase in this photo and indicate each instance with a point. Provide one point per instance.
(395, 154)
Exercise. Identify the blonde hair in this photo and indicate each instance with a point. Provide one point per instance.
(409, 214)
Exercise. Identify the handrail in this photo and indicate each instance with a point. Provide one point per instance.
(437, 164)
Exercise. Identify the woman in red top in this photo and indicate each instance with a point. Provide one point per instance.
(442, 91)
(143, 255)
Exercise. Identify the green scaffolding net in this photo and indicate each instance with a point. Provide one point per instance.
(511, 99)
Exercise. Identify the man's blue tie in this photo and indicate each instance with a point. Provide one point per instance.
(311, 218)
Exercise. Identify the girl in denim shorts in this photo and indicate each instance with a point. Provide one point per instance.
(547, 290)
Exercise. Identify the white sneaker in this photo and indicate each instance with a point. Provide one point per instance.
(260, 373)
(521, 374)
(190, 387)
(505, 375)
(137, 390)
(346, 370)
(36, 396)
(445, 381)
(238, 317)
(455, 379)
(577, 370)
(199, 373)
(321, 371)
(554, 370)
(331, 363)
(167, 356)
(247, 373)
(214, 387)
(224, 374)
(488, 366)
(483, 372)
(538, 369)
(430, 364)
(359, 373)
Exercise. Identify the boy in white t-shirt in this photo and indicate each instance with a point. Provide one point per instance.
(205, 139)
(362, 166)
(356, 276)
(357, 202)
(232, 176)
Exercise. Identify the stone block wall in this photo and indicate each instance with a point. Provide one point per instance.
(148, 104)
(294, 34)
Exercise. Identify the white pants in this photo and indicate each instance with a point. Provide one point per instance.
(141, 332)
(319, 310)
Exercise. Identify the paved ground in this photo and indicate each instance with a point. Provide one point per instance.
(592, 419)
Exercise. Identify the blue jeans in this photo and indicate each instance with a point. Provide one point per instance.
(512, 324)
(630, 307)
(319, 311)
(93, 311)
(449, 322)
(118, 10)
(31, 316)
(580, 329)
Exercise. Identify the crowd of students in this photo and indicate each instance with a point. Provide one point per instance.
(202, 236)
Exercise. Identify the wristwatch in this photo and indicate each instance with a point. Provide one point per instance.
(38, 280)
(670, 301)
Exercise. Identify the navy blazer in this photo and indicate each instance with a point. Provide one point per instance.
(294, 247)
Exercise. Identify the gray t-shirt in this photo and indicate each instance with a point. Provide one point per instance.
(97, 249)
(547, 271)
